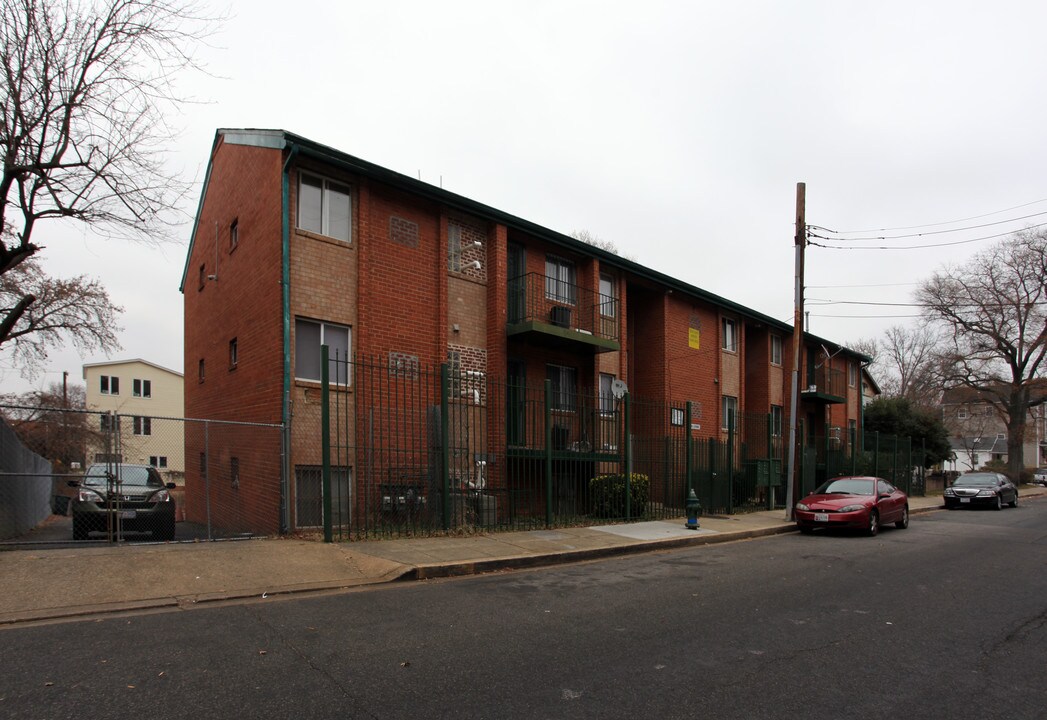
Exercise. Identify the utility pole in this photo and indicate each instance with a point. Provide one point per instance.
(801, 242)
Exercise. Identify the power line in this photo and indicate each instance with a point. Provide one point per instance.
(834, 287)
(909, 247)
(933, 232)
(871, 317)
(949, 222)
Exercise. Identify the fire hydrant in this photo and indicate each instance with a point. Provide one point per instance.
(694, 509)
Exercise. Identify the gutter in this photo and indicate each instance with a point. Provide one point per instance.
(285, 283)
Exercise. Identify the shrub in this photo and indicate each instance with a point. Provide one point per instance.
(607, 493)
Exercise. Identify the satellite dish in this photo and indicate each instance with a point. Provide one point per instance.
(618, 388)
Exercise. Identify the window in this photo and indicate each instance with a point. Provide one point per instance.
(777, 413)
(559, 280)
(776, 350)
(109, 385)
(200, 369)
(564, 381)
(606, 396)
(234, 235)
(607, 304)
(961, 413)
(158, 461)
(142, 388)
(730, 412)
(142, 425)
(203, 276)
(105, 422)
(852, 374)
(324, 207)
(454, 248)
(232, 354)
(234, 471)
(677, 417)
(729, 336)
(309, 335)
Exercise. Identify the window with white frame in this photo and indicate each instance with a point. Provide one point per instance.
(607, 302)
(729, 419)
(852, 374)
(324, 207)
(142, 425)
(142, 388)
(776, 350)
(729, 336)
(564, 381)
(309, 335)
(961, 413)
(109, 385)
(158, 461)
(559, 280)
(606, 395)
(777, 413)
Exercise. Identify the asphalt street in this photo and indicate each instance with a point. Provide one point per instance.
(945, 619)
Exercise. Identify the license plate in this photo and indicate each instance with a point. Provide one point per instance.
(821, 517)
(963, 500)
(128, 514)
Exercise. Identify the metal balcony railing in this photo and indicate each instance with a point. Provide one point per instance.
(826, 382)
(537, 298)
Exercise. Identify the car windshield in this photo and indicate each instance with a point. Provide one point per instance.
(975, 481)
(127, 474)
(848, 486)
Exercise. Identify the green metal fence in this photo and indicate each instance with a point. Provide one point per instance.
(410, 450)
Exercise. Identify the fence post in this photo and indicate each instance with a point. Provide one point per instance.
(628, 460)
(687, 451)
(730, 462)
(853, 432)
(908, 471)
(894, 462)
(207, 478)
(445, 444)
(325, 439)
(770, 463)
(876, 454)
(548, 453)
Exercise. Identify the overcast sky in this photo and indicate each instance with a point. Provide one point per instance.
(677, 131)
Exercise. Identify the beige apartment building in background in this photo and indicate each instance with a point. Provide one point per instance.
(148, 401)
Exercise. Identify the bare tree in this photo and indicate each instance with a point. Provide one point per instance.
(53, 422)
(87, 89)
(77, 309)
(596, 241)
(904, 363)
(991, 311)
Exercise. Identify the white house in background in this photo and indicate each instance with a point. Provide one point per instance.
(150, 401)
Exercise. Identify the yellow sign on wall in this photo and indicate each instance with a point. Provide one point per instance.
(694, 338)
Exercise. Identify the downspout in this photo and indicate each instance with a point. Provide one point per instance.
(285, 282)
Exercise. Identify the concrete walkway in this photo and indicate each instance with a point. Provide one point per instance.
(52, 584)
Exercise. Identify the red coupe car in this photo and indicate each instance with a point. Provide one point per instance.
(861, 503)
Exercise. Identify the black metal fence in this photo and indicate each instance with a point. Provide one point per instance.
(410, 450)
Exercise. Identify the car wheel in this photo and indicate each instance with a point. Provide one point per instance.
(904, 521)
(998, 505)
(1014, 503)
(168, 531)
(874, 523)
(79, 528)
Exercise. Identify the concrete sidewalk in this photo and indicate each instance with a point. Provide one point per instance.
(64, 583)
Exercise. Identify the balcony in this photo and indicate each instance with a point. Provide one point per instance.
(555, 313)
(825, 385)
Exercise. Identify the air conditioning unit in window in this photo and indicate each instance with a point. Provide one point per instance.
(560, 316)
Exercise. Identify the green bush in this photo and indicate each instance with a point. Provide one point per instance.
(607, 493)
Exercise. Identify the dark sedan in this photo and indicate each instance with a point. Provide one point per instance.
(859, 503)
(985, 489)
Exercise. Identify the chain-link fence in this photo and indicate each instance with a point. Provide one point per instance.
(110, 477)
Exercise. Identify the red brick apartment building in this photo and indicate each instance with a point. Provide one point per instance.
(297, 244)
